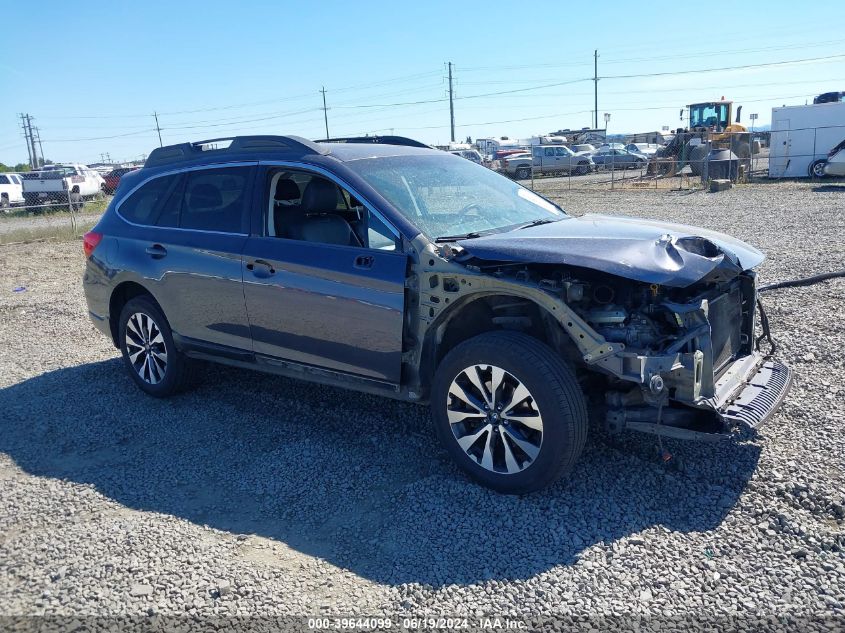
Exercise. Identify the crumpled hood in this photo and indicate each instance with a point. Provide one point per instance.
(643, 250)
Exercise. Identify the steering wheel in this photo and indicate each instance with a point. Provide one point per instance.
(466, 210)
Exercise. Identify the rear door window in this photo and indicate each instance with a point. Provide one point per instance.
(4, 180)
(215, 200)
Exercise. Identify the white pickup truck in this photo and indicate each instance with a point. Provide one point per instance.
(11, 191)
(58, 183)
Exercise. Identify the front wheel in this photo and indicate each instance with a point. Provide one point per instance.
(149, 353)
(509, 411)
(817, 169)
(523, 173)
(582, 169)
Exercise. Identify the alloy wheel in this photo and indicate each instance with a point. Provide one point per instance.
(494, 419)
(146, 348)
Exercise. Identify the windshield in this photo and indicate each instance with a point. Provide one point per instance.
(444, 195)
(709, 115)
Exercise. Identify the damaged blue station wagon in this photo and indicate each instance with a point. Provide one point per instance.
(382, 265)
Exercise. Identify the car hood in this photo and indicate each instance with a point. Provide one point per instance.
(643, 250)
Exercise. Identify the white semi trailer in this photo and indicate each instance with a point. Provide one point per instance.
(801, 138)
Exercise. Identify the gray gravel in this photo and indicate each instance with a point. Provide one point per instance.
(259, 495)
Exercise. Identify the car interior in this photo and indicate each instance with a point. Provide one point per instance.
(308, 207)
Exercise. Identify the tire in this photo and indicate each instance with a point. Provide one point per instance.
(523, 173)
(161, 379)
(816, 169)
(582, 169)
(697, 156)
(76, 202)
(553, 401)
(4, 203)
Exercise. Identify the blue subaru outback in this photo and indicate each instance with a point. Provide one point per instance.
(382, 265)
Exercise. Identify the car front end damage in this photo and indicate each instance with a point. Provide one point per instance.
(665, 323)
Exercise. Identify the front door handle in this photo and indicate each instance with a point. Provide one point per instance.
(156, 251)
(364, 262)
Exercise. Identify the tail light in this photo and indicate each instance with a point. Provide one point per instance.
(90, 241)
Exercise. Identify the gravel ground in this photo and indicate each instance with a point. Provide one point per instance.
(260, 495)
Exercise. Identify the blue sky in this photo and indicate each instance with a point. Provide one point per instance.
(91, 70)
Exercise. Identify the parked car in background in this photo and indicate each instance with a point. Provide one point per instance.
(470, 154)
(511, 164)
(11, 191)
(504, 153)
(618, 158)
(406, 272)
(646, 149)
(611, 146)
(549, 159)
(584, 148)
(835, 164)
(60, 184)
(112, 179)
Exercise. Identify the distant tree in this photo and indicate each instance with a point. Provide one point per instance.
(4, 168)
(21, 167)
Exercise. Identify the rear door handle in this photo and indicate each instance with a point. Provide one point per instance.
(265, 268)
(364, 261)
(156, 251)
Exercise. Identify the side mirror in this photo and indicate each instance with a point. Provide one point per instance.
(738, 113)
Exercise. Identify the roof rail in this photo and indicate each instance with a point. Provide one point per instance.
(383, 140)
(184, 152)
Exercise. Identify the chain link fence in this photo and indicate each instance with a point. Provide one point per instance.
(59, 201)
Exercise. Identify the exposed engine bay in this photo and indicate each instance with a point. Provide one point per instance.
(680, 356)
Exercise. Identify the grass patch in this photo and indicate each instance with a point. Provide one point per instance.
(58, 232)
(91, 206)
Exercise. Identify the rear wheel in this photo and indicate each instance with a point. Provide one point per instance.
(149, 353)
(509, 411)
(523, 173)
(4, 203)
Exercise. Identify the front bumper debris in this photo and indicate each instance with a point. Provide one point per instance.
(760, 396)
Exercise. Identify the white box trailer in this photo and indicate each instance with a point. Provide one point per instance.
(801, 137)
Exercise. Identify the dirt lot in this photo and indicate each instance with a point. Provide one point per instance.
(259, 495)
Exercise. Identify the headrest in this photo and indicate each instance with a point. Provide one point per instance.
(204, 197)
(287, 189)
(320, 196)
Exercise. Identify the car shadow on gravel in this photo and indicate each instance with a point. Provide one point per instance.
(354, 479)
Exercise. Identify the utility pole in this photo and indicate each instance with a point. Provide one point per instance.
(596, 88)
(325, 112)
(158, 129)
(31, 137)
(451, 104)
(26, 137)
(40, 147)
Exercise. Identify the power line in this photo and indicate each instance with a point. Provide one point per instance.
(725, 68)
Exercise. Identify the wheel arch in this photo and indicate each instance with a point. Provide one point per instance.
(120, 296)
(488, 311)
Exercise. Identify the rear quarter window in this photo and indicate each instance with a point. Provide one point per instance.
(154, 200)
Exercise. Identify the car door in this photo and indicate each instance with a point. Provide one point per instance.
(186, 246)
(336, 306)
